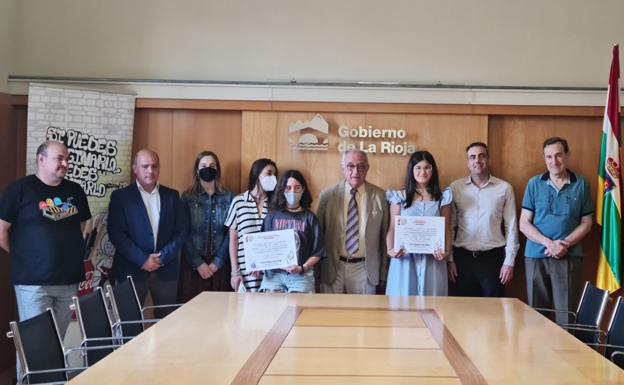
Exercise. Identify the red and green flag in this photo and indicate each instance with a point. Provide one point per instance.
(608, 205)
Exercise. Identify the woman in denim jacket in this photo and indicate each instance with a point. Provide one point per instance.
(207, 203)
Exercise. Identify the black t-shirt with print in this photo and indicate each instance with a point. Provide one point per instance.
(47, 247)
(309, 238)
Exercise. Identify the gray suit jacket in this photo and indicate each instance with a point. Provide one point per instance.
(331, 217)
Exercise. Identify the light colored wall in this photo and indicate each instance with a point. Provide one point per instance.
(479, 42)
(7, 35)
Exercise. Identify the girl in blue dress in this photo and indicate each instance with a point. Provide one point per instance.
(419, 274)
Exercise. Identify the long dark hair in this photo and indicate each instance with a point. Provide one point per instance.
(433, 187)
(278, 202)
(196, 188)
(254, 173)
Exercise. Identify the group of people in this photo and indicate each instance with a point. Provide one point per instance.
(343, 248)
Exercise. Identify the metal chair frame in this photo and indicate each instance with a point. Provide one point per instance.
(590, 328)
(114, 341)
(117, 322)
(605, 336)
(616, 354)
(15, 334)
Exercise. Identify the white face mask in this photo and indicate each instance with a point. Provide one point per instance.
(268, 183)
(293, 198)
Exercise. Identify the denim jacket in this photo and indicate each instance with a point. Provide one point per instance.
(206, 213)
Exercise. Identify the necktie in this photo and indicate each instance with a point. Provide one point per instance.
(352, 242)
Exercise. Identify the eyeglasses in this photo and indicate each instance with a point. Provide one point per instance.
(361, 167)
(425, 168)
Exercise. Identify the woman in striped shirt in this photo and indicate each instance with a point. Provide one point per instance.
(246, 215)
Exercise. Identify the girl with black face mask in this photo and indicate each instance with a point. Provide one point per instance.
(205, 252)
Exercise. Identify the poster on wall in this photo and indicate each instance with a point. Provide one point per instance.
(96, 126)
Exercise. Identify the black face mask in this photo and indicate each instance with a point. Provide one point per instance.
(207, 174)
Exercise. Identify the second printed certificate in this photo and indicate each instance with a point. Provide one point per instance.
(270, 250)
(418, 235)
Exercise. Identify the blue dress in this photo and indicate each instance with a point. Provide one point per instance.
(418, 274)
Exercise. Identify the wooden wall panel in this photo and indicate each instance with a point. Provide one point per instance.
(389, 108)
(258, 140)
(153, 129)
(516, 152)
(8, 148)
(515, 141)
(217, 131)
(8, 133)
(265, 134)
(177, 137)
(21, 119)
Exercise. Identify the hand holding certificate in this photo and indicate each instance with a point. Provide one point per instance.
(419, 235)
(270, 250)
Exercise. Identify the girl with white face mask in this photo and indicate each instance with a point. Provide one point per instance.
(245, 216)
(290, 209)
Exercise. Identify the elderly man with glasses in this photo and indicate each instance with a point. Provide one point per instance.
(353, 215)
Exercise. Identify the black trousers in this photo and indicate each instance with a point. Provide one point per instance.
(478, 272)
(164, 292)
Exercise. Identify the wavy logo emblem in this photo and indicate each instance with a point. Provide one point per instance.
(309, 135)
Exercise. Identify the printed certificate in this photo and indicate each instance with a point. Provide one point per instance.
(419, 235)
(270, 250)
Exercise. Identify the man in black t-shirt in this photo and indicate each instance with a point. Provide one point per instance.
(41, 221)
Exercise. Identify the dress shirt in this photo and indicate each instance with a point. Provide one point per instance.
(360, 199)
(479, 214)
(152, 205)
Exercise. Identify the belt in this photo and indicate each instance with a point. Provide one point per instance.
(482, 253)
(351, 259)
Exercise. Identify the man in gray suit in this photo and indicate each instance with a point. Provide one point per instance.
(353, 215)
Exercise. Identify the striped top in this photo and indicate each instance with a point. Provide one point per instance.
(243, 217)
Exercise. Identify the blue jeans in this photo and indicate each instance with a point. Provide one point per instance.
(280, 281)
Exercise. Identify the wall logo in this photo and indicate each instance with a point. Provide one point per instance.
(384, 140)
(309, 135)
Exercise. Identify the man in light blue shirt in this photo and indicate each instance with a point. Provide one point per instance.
(556, 215)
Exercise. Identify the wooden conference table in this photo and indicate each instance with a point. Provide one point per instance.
(222, 338)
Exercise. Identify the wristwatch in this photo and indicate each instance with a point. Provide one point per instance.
(302, 269)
